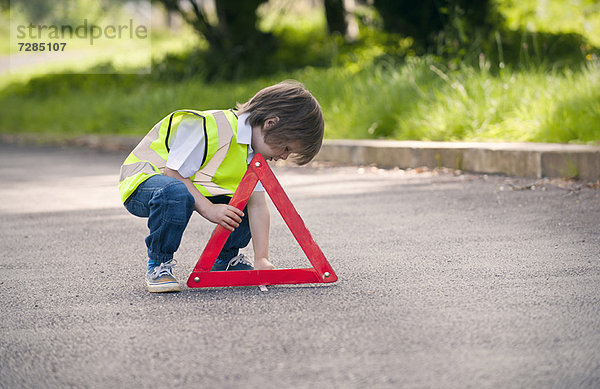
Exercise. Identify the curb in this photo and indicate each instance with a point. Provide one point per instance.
(96, 142)
(528, 160)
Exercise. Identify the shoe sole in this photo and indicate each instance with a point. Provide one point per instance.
(164, 287)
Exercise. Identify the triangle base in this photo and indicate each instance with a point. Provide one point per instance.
(257, 277)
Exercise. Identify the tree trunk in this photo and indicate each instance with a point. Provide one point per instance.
(335, 13)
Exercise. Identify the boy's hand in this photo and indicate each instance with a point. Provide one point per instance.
(263, 264)
(224, 215)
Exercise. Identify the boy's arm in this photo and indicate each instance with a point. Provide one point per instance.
(224, 215)
(259, 219)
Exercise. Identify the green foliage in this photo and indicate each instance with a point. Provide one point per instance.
(305, 36)
(439, 23)
(459, 32)
(420, 99)
(557, 17)
(304, 41)
(523, 86)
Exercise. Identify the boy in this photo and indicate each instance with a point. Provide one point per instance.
(194, 160)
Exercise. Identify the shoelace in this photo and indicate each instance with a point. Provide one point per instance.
(164, 269)
(239, 259)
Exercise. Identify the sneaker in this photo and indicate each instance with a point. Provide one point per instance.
(160, 278)
(239, 262)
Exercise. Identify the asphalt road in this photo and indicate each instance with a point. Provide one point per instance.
(446, 281)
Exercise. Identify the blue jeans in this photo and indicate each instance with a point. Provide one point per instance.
(168, 205)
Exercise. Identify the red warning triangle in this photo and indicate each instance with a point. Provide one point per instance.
(321, 272)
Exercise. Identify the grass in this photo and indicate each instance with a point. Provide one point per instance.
(363, 92)
(418, 100)
(422, 101)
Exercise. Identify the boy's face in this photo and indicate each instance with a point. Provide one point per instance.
(270, 153)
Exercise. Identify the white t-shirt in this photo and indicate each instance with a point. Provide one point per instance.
(187, 149)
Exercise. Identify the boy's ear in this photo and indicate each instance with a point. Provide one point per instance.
(270, 122)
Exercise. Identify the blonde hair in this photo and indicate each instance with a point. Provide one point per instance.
(300, 118)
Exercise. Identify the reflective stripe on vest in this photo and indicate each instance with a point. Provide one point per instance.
(224, 162)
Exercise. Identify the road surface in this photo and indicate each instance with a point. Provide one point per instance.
(446, 281)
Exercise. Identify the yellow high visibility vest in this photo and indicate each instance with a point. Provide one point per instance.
(224, 162)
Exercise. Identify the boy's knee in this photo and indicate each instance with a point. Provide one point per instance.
(177, 202)
(179, 193)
